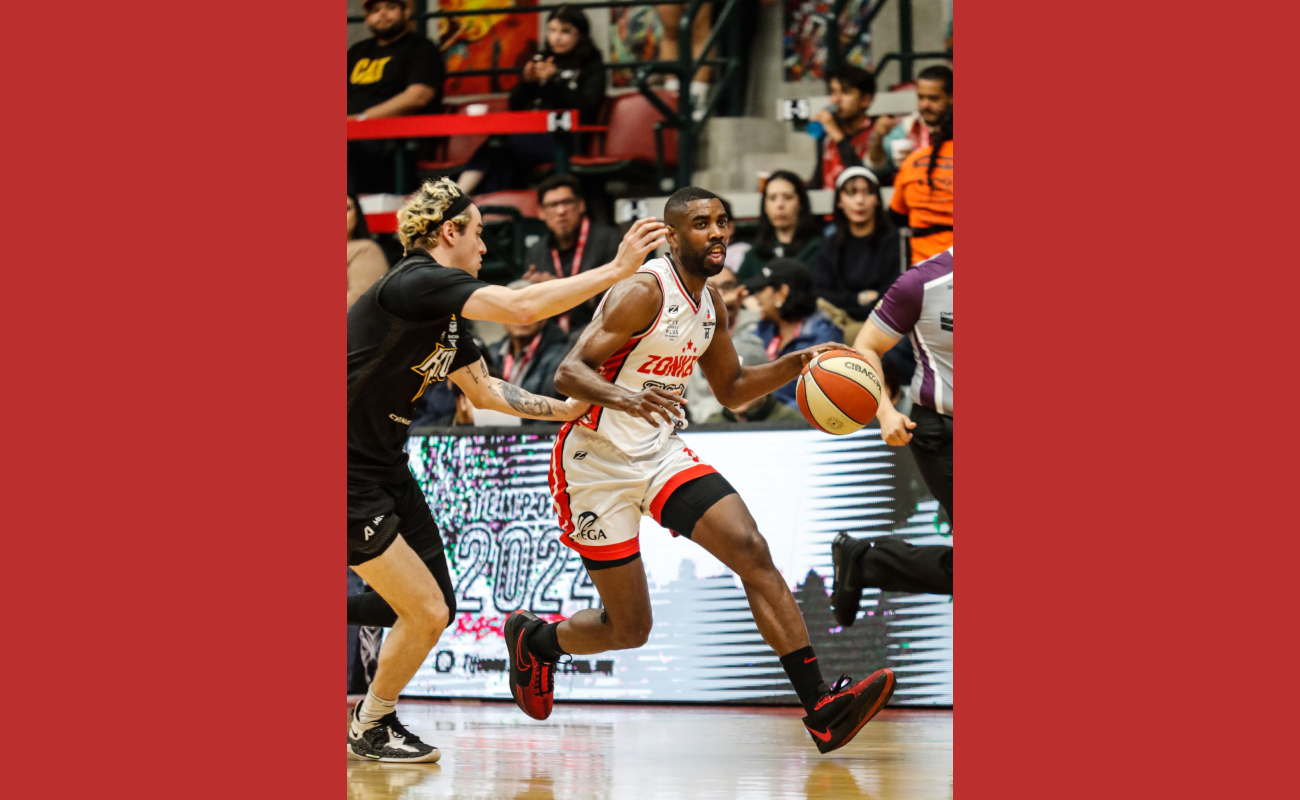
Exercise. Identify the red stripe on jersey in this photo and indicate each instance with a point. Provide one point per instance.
(609, 552)
(690, 473)
(559, 485)
(673, 269)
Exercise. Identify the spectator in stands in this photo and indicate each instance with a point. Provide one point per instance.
(850, 136)
(529, 354)
(923, 193)
(786, 228)
(573, 244)
(790, 318)
(933, 98)
(568, 73)
(393, 74)
(366, 262)
(766, 408)
(670, 17)
(741, 322)
(736, 251)
(857, 263)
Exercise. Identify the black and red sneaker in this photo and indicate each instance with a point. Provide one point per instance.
(532, 681)
(841, 712)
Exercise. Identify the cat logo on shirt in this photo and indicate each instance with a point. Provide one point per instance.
(434, 368)
(367, 71)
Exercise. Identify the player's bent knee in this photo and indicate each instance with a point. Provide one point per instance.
(753, 556)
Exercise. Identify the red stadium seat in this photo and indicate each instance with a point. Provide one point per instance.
(456, 151)
(630, 140)
(523, 199)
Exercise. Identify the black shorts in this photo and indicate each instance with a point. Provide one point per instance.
(376, 514)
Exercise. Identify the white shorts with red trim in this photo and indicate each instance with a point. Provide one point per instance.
(601, 494)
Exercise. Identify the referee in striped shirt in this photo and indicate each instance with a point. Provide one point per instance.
(918, 305)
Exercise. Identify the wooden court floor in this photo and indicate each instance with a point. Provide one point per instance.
(491, 750)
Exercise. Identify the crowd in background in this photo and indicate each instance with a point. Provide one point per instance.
(801, 279)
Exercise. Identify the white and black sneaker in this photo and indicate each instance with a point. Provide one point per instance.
(387, 740)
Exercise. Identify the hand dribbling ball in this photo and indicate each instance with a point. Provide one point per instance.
(838, 392)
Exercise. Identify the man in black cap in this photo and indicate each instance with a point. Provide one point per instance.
(391, 75)
(789, 318)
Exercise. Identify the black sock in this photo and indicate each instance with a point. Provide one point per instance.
(545, 642)
(806, 676)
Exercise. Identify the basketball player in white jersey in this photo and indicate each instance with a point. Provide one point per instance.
(624, 460)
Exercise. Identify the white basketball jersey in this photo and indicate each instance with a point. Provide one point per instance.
(664, 356)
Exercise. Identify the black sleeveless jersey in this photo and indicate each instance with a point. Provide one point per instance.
(404, 335)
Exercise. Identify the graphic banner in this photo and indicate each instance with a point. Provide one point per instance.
(490, 498)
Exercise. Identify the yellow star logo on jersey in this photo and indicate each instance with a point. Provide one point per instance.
(434, 368)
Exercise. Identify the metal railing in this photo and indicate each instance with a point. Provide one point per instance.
(906, 55)
(684, 68)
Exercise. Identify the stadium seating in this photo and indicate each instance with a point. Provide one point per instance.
(454, 152)
(628, 147)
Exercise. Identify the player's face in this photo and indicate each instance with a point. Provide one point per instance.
(932, 101)
(858, 201)
(467, 252)
(699, 238)
(386, 18)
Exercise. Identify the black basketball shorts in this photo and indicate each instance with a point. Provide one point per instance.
(378, 513)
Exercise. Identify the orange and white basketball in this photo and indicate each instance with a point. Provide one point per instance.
(838, 392)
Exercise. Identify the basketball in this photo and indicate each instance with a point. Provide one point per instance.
(838, 392)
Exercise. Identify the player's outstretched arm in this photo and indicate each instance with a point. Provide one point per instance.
(544, 300)
(629, 309)
(872, 343)
(485, 391)
(734, 384)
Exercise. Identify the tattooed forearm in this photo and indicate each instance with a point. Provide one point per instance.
(525, 403)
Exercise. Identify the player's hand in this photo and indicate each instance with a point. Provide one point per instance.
(574, 408)
(644, 236)
(812, 352)
(653, 401)
(895, 427)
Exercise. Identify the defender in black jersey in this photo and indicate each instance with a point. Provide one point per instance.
(406, 333)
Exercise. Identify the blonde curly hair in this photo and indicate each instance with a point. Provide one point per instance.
(420, 218)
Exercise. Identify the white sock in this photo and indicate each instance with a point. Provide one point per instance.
(373, 709)
(672, 84)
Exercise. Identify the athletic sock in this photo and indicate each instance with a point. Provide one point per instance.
(545, 642)
(805, 675)
(374, 709)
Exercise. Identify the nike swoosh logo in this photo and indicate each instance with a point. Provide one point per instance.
(518, 647)
(825, 737)
(810, 660)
